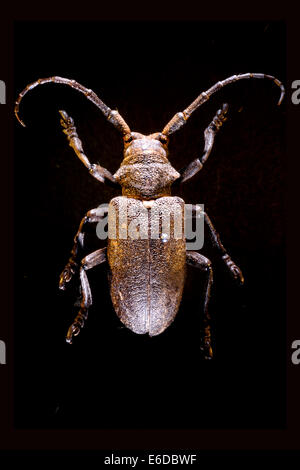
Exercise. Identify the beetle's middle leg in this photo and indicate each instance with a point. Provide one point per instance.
(92, 216)
(90, 261)
(193, 258)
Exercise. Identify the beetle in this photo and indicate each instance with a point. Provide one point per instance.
(146, 273)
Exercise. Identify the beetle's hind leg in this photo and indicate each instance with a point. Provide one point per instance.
(90, 261)
(199, 261)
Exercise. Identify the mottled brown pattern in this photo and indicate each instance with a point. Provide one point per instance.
(146, 272)
(147, 275)
(146, 172)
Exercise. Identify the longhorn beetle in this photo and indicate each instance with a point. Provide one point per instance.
(146, 274)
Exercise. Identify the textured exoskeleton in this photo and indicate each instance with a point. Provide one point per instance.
(147, 275)
(146, 262)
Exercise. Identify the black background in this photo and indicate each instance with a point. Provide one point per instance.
(111, 377)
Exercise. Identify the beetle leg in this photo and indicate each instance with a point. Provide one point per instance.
(215, 238)
(90, 261)
(193, 258)
(233, 268)
(209, 135)
(94, 215)
(97, 171)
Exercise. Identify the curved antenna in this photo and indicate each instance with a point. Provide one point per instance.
(112, 116)
(180, 118)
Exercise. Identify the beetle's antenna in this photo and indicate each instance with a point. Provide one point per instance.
(112, 116)
(180, 118)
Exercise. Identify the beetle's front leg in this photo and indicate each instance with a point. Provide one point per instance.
(233, 268)
(94, 215)
(193, 258)
(209, 137)
(97, 171)
(90, 261)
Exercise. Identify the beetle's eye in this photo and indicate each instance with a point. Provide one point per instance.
(128, 138)
(163, 139)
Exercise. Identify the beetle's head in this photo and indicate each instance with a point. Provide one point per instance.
(145, 171)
